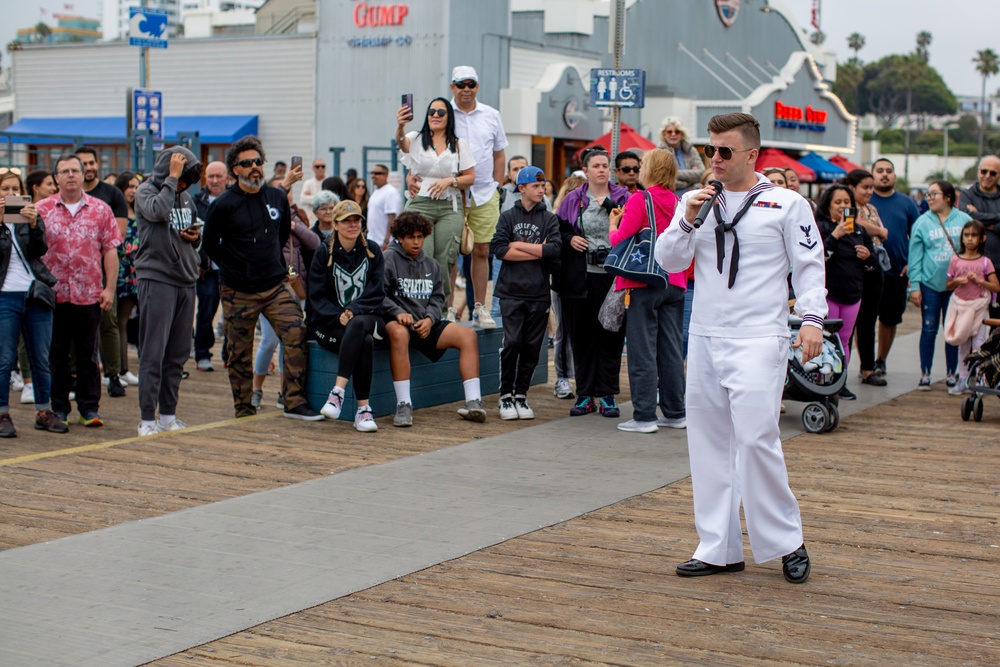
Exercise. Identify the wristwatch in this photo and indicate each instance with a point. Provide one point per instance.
(454, 182)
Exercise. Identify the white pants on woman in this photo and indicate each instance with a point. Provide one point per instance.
(734, 390)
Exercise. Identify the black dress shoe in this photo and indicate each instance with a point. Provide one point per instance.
(697, 568)
(796, 565)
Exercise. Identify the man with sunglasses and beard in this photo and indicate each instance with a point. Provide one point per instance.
(738, 349)
(627, 171)
(982, 202)
(247, 228)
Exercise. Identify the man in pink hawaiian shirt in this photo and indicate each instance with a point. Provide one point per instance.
(81, 233)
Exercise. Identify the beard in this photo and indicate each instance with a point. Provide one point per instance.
(251, 182)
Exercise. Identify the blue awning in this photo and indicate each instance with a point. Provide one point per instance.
(826, 171)
(111, 129)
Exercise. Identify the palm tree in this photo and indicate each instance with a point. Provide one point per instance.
(923, 41)
(44, 31)
(856, 42)
(987, 64)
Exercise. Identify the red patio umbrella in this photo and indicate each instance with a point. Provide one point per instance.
(772, 157)
(628, 139)
(844, 163)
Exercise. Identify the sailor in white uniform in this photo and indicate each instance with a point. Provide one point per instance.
(738, 349)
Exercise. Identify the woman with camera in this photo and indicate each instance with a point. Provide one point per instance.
(26, 302)
(583, 285)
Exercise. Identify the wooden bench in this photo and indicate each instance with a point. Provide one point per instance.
(431, 383)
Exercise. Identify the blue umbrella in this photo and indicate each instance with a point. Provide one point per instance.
(826, 171)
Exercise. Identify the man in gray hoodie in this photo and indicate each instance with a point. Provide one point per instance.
(166, 266)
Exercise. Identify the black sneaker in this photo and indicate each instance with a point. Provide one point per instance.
(880, 368)
(847, 394)
(304, 412)
(46, 420)
(115, 388)
(875, 380)
(7, 429)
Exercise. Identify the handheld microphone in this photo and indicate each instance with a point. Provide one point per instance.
(707, 206)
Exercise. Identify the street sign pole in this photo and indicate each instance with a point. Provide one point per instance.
(144, 58)
(616, 44)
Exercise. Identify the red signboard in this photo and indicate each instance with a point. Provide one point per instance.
(792, 117)
(369, 16)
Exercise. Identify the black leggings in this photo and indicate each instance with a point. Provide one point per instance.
(864, 329)
(354, 345)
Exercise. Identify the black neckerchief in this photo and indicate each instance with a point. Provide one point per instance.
(722, 227)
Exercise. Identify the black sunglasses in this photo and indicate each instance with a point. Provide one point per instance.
(251, 162)
(319, 166)
(440, 113)
(991, 172)
(462, 85)
(725, 152)
(629, 170)
(380, 173)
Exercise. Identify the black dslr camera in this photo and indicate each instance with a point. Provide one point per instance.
(597, 256)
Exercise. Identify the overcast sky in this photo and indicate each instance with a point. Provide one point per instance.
(959, 29)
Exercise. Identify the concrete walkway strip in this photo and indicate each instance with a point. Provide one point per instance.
(143, 590)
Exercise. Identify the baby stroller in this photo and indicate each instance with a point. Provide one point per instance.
(984, 373)
(818, 381)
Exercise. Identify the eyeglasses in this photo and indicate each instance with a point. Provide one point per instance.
(671, 132)
(440, 113)
(991, 172)
(932, 195)
(725, 152)
(629, 170)
(10, 170)
(462, 85)
(246, 164)
(319, 166)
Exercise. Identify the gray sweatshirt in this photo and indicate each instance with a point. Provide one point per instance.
(161, 213)
(412, 286)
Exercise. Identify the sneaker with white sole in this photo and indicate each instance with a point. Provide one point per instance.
(148, 428)
(175, 425)
(672, 422)
(256, 397)
(452, 315)
(334, 403)
(364, 421)
(508, 411)
(961, 386)
(524, 411)
(129, 379)
(925, 382)
(205, 365)
(482, 319)
(404, 415)
(474, 411)
(562, 389)
(633, 426)
(16, 381)
(28, 393)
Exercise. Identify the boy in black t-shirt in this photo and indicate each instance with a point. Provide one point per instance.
(527, 240)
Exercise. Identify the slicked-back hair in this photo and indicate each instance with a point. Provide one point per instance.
(744, 123)
(247, 143)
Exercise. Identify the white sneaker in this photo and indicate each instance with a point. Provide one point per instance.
(364, 421)
(633, 426)
(452, 315)
(205, 366)
(334, 403)
(175, 425)
(104, 380)
(481, 318)
(16, 381)
(129, 379)
(960, 388)
(562, 389)
(508, 411)
(28, 393)
(672, 422)
(524, 411)
(148, 428)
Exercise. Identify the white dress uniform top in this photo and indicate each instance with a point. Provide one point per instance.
(737, 358)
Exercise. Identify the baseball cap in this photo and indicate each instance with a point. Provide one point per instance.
(530, 175)
(345, 209)
(464, 73)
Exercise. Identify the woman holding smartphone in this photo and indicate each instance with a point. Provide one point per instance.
(26, 305)
(445, 165)
(849, 255)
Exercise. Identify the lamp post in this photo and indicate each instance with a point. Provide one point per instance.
(946, 127)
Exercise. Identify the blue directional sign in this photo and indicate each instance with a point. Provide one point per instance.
(624, 88)
(147, 112)
(147, 27)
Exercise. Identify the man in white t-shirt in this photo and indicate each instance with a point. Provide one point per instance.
(383, 206)
(310, 187)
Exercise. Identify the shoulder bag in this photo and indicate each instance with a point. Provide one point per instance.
(468, 240)
(633, 259)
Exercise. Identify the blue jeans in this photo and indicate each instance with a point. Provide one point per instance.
(208, 305)
(265, 352)
(21, 317)
(933, 306)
